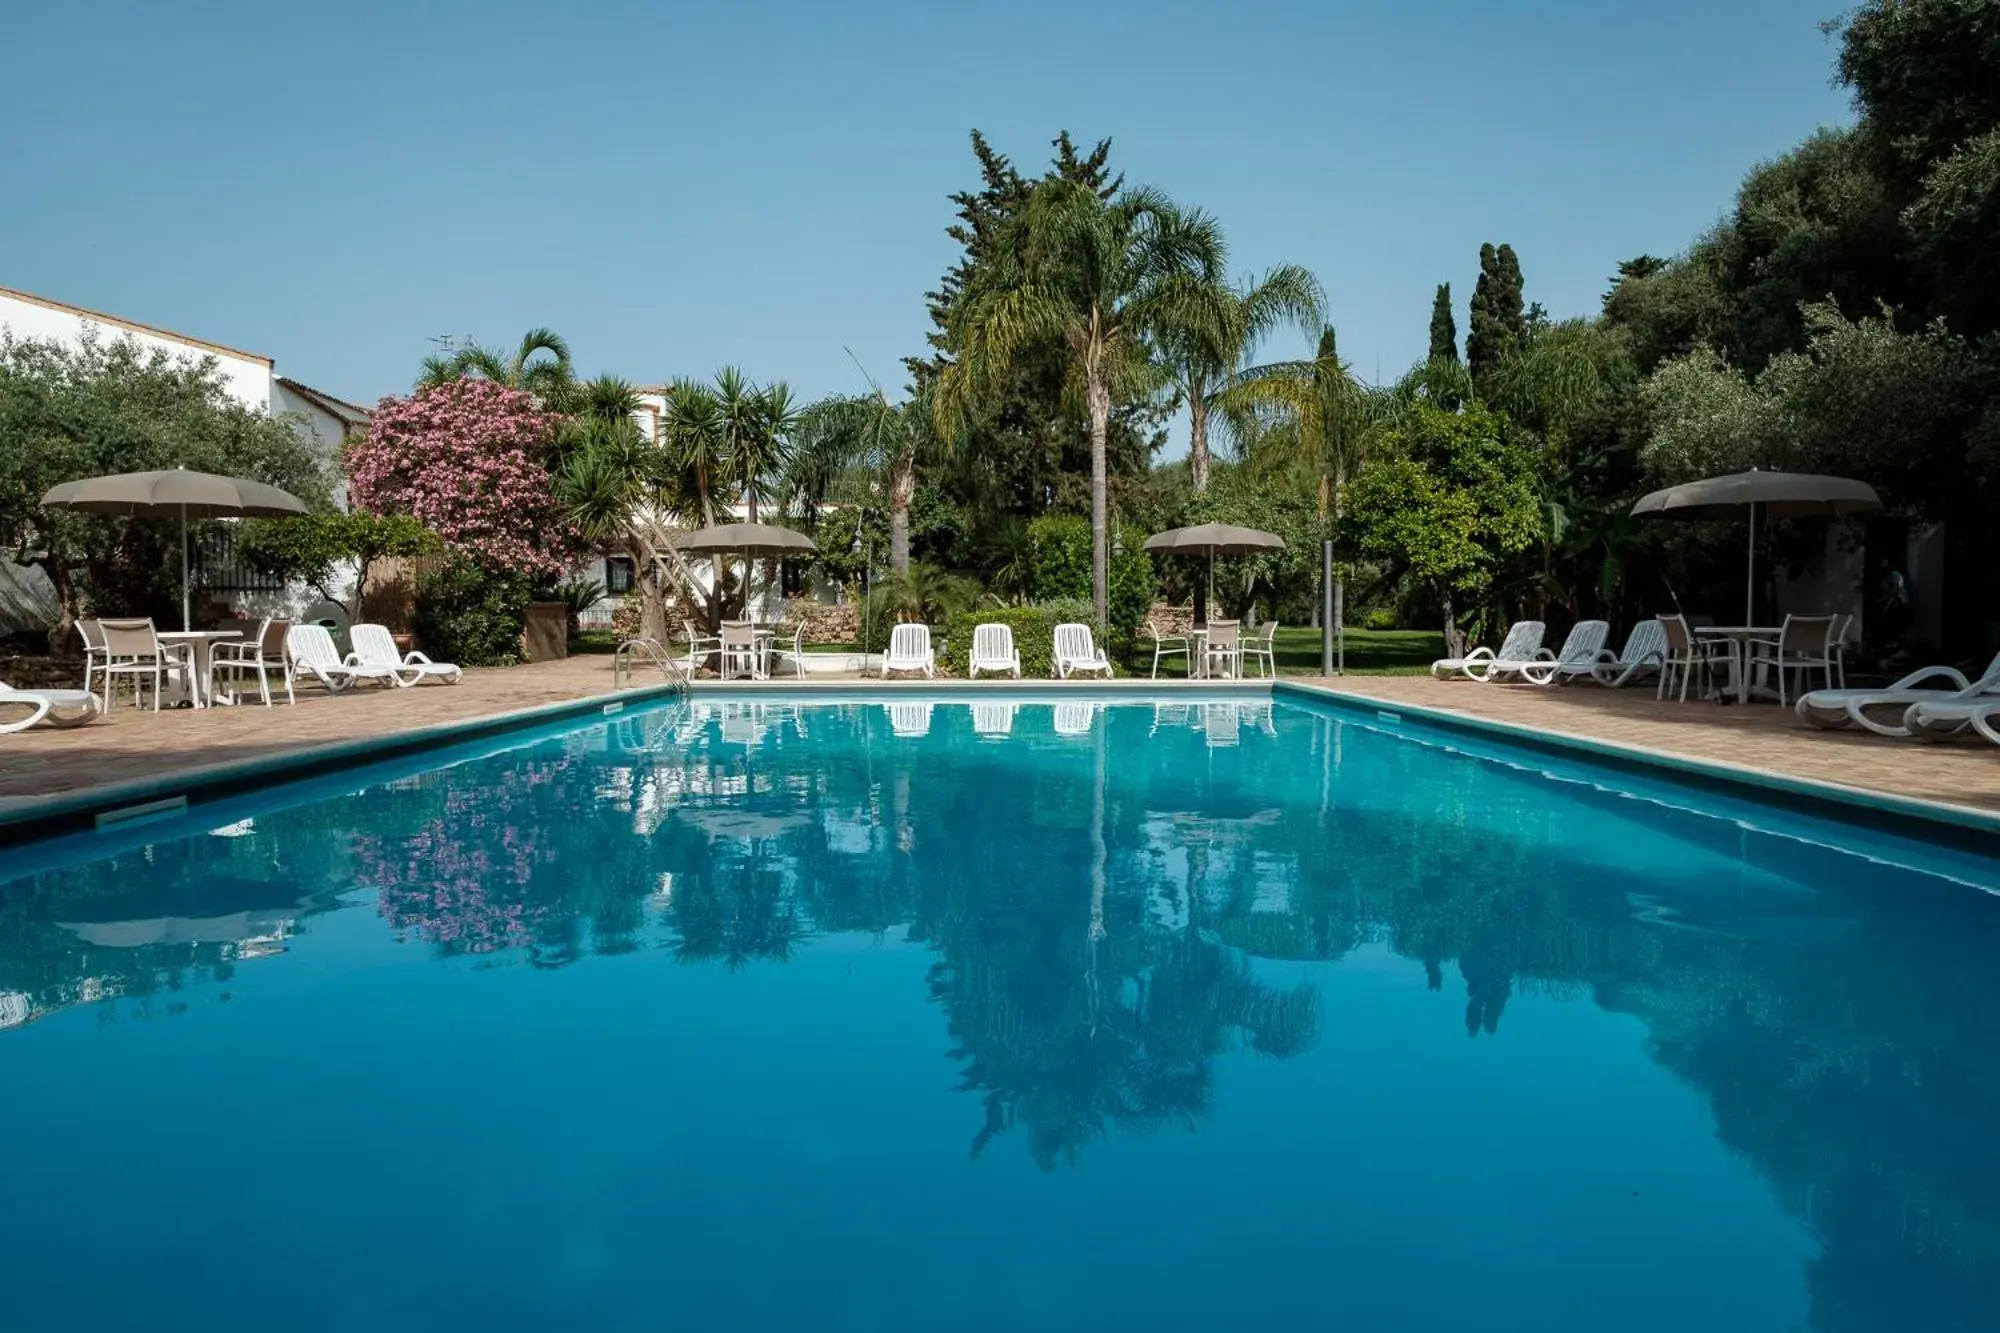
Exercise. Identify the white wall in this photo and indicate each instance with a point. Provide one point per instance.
(246, 376)
(326, 432)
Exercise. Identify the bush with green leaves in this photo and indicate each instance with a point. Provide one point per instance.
(310, 548)
(1034, 630)
(471, 615)
(1060, 551)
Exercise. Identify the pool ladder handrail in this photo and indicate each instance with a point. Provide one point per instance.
(631, 651)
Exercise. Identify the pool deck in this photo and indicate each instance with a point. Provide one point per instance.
(133, 745)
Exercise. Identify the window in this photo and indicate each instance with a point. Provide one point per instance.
(618, 574)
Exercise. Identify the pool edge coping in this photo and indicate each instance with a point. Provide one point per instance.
(33, 818)
(1911, 815)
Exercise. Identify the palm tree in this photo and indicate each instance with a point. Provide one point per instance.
(888, 440)
(540, 365)
(692, 431)
(1098, 277)
(1330, 422)
(1201, 357)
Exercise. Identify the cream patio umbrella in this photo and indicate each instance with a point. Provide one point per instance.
(747, 539)
(175, 490)
(1212, 540)
(1741, 496)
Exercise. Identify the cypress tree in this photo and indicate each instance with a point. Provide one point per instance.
(1499, 324)
(1444, 329)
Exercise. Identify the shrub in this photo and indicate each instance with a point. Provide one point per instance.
(471, 615)
(1034, 636)
(1060, 546)
(1381, 618)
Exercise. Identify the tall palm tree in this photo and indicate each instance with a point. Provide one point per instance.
(762, 446)
(693, 433)
(1203, 355)
(541, 365)
(1098, 277)
(1331, 422)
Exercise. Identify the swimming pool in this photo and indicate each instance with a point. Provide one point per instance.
(902, 1014)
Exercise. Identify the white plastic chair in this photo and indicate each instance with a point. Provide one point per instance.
(780, 650)
(60, 708)
(260, 656)
(909, 650)
(1523, 644)
(1686, 655)
(1262, 646)
(92, 633)
(1578, 656)
(1222, 650)
(1645, 648)
(993, 651)
(740, 656)
(375, 652)
(1076, 651)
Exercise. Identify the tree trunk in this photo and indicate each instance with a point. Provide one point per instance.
(69, 609)
(1454, 642)
(902, 489)
(1331, 490)
(1198, 459)
(1099, 396)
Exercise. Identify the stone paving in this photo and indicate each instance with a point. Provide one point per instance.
(133, 743)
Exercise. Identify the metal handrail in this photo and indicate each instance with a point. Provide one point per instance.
(632, 651)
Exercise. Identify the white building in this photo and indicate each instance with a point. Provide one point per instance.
(249, 377)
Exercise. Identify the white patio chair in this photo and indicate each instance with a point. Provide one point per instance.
(699, 645)
(991, 719)
(1645, 648)
(1883, 710)
(313, 653)
(1222, 649)
(1522, 644)
(92, 633)
(909, 650)
(1075, 719)
(132, 648)
(1686, 655)
(1263, 647)
(1170, 645)
(782, 648)
(1075, 650)
(739, 649)
(993, 651)
(375, 650)
(1841, 634)
(59, 708)
(1804, 643)
(1942, 719)
(909, 719)
(1577, 658)
(260, 656)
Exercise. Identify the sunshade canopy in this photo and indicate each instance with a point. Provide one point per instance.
(1775, 494)
(1213, 539)
(200, 494)
(745, 539)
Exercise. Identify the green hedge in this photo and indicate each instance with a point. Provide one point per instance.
(1061, 547)
(471, 616)
(1034, 634)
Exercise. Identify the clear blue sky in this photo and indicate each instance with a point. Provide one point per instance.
(678, 187)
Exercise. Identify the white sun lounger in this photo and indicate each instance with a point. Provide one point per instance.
(1883, 711)
(1645, 649)
(59, 708)
(909, 650)
(1942, 719)
(993, 651)
(1522, 645)
(375, 649)
(313, 654)
(1076, 651)
(1579, 657)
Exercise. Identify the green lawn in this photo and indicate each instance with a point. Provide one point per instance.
(1395, 652)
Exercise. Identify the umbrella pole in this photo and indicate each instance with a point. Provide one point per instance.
(186, 619)
(1750, 578)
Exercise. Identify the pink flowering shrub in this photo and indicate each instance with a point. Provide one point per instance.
(461, 458)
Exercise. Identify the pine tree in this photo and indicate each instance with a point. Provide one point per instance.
(1444, 329)
(1499, 324)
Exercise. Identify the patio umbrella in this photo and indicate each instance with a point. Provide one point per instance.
(750, 539)
(175, 490)
(1212, 540)
(1741, 495)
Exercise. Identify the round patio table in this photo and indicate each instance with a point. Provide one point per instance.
(201, 642)
(1739, 637)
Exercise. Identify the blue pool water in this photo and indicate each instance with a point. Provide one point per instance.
(852, 1016)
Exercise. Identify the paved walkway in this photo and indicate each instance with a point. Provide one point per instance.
(132, 744)
(1760, 735)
